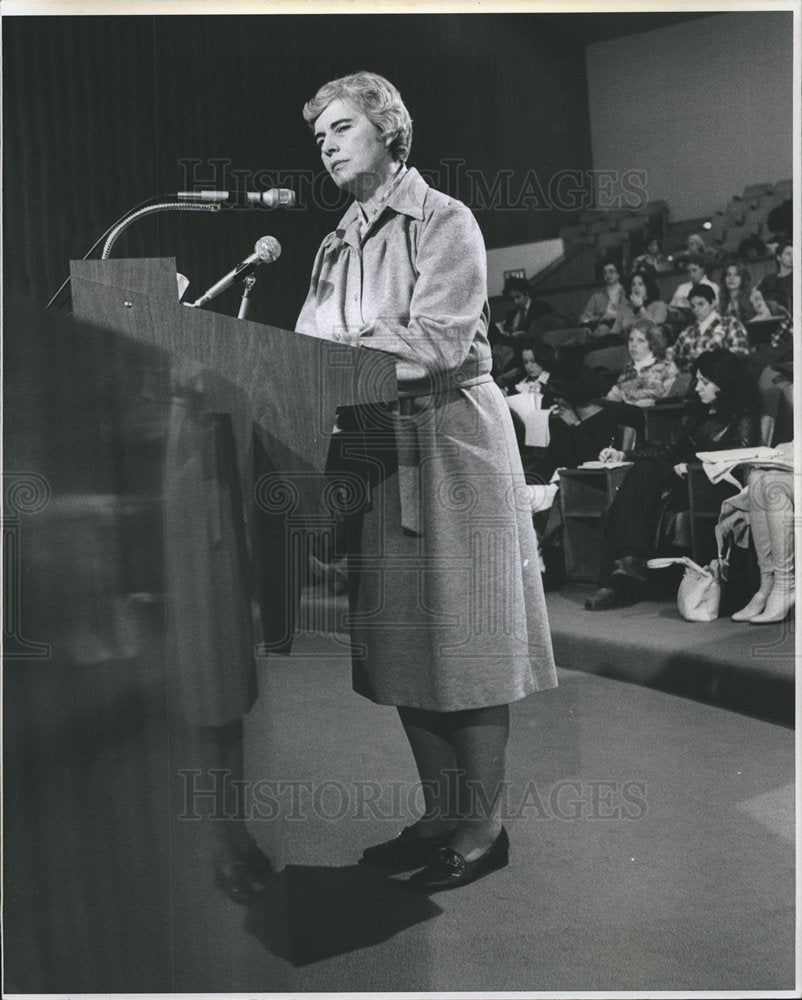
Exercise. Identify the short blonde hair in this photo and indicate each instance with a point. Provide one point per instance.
(377, 99)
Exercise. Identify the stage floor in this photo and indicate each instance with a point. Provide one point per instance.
(652, 841)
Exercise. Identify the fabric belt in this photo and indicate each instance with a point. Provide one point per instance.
(416, 441)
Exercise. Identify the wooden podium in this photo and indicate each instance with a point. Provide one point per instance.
(278, 390)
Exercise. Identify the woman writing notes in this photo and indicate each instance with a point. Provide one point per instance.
(447, 609)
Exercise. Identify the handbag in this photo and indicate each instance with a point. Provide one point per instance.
(699, 593)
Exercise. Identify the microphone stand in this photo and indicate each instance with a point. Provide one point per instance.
(248, 282)
(170, 206)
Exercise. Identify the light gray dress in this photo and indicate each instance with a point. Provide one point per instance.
(446, 602)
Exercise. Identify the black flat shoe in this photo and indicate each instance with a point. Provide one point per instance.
(407, 850)
(449, 870)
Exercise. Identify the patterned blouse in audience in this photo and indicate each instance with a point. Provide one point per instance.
(773, 310)
(710, 331)
(649, 376)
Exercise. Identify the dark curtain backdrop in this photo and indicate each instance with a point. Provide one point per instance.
(103, 112)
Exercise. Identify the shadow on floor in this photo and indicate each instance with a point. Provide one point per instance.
(311, 913)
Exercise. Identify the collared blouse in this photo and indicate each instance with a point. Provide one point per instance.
(388, 289)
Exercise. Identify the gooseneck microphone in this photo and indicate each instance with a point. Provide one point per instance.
(267, 250)
(273, 198)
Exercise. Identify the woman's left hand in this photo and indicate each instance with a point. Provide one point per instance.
(681, 469)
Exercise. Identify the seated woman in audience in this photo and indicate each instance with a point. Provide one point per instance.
(650, 375)
(735, 292)
(642, 301)
(770, 499)
(530, 402)
(536, 361)
(580, 425)
(779, 287)
(721, 412)
(696, 269)
(652, 260)
(602, 307)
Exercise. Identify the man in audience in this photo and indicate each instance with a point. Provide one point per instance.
(602, 307)
(696, 271)
(708, 331)
(778, 287)
(525, 310)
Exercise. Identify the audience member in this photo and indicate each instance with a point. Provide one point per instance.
(779, 287)
(642, 301)
(769, 498)
(650, 375)
(525, 309)
(736, 287)
(536, 360)
(602, 307)
(708, 331)
(696, 271)
(530, 402)
(721, 412)
(508, 337)
(580, 426)
(652, 260)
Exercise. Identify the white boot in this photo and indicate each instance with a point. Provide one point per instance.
(758, 603)
(780, 602)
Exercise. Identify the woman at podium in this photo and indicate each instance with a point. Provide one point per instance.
(446, 602)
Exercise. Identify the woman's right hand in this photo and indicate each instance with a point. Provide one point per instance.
(611, 455)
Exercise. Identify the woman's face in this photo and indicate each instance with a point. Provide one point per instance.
(351, 147)
(705, 389)
(786, 259)
(732, 278)
(695, 272)
(638, 287)
(638, 345)
(531, 367)
(759, 303)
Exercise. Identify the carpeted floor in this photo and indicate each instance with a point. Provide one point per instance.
(747, 668)
(652, 846)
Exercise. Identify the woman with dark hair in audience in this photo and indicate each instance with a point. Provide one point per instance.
(642, 301)
(650, 375)
(735, 291)
(779, 287)
(579, 425)
(721, 412)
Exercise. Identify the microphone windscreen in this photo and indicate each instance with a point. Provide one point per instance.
(268, 249)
